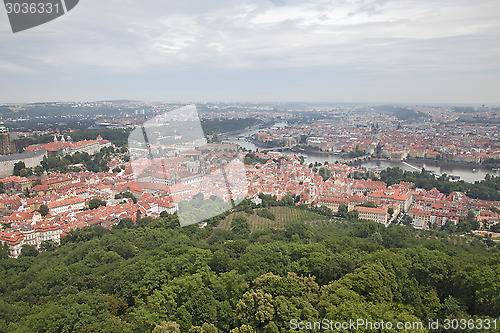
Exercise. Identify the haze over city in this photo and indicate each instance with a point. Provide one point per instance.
(360, 51)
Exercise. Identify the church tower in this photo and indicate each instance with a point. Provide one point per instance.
(5, 143)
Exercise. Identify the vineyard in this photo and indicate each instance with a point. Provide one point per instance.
(283, 215)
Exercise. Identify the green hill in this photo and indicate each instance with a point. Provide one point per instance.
(158, 276)
(283, 216)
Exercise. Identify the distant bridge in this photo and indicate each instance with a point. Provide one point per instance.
(435, 174)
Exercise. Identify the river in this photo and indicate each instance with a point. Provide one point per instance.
(468, 173)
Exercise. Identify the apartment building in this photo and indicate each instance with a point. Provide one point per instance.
(66, 205)
(378, 215)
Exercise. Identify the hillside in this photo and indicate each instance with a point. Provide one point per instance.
(283, 216)
(171, 279)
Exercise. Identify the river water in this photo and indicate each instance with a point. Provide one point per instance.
(468, 173)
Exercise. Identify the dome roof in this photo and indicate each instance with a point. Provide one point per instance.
(3, 129)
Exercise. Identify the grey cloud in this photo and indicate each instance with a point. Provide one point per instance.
(370, 36)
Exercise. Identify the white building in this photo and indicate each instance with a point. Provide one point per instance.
(66, 205)
(33, 235)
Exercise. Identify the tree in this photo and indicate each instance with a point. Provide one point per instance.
(167, 327)
(372, 281)
(96, 202)
(144, 221)
(297, 199)
(126, 195)
(29, 251)
(469, 224)
(322, 210)
(138, 216)
(357, 153)
(240, 225)
(390, 211)
(38, 170)
(451, 308)
(302, 230)
(205, 328)
(408, 220)
(126, 223)
(43, 210)
(48, 245)
(243, 329)
(271, 328)
(26, 172)
(18, 167)
(325, 173)
(255, 308)
(202, 307)
(343, 209)
(352, 215)
(495, 228)
(4, 251)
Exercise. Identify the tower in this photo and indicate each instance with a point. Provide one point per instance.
(5, 143)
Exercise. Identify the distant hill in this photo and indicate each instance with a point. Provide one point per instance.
(399, 112)
(120, 101)
(227, 125)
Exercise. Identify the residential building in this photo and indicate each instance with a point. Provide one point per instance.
(378, 215)
(66, 205)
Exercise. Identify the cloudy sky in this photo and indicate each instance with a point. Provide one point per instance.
(407, 51)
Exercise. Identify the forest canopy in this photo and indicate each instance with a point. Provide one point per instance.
(157, 276)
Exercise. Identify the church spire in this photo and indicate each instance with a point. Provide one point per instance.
(3, 129)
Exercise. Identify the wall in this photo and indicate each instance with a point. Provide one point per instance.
(30, 159)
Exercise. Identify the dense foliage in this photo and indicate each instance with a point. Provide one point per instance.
(95, 163)
(198, 208)
(399, 112)
(251, 158)
(357, 153)
(156, 275)
(118, 137)
(491, 163)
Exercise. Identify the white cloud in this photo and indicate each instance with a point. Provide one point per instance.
(10, 67)
(399, 36)
(135, 34)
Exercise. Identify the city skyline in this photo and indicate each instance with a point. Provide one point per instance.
(259, 51)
